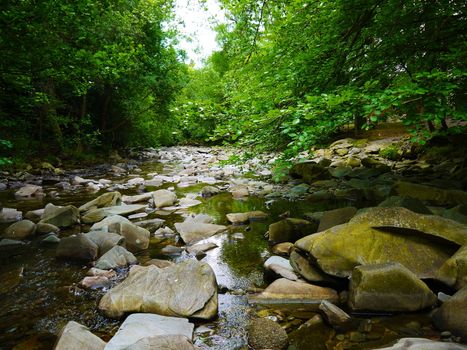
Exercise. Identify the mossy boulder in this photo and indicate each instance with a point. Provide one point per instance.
(403, 221)
(421, 243)
(452, 315)
(388, 287)
(454, 270)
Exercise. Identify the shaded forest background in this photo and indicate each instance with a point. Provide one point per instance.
(81, 78)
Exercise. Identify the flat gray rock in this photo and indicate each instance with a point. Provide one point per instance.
(75, 336)
(137, 327)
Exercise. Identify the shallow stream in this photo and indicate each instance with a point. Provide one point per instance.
(35, 306)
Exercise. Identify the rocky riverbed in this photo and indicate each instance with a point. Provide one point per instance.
(349, 251)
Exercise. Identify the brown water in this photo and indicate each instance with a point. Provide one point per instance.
(36, 306)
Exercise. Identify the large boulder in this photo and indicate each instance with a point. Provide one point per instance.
(424, 344)
(109, 199)
(283, 288)
(336, 217)
(290, 229)
(60, 216)
(138, 327)
(115, 257)
(96, 215)
(194, 229)
(164, 198)
(187, 289)
(452, 315)
(454, 270)
(264, 333)
(105, 240)
(434, 195)
(385, 235)
(388, 287)
(405, 221)
(75, 336)
(20, 230)
(77, 247)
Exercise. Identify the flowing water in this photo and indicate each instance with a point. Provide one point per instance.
(37, 302)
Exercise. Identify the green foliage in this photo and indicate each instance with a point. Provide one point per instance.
(390, 152)
(294, 73)
(81, 75)
(4, 144)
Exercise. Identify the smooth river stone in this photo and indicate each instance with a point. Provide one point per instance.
(187, 289)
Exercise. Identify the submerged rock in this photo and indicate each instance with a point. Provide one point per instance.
(187, 289)
(152, 330)
(388, 287)
(75, 336)
(264, 333)
(20, 230)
